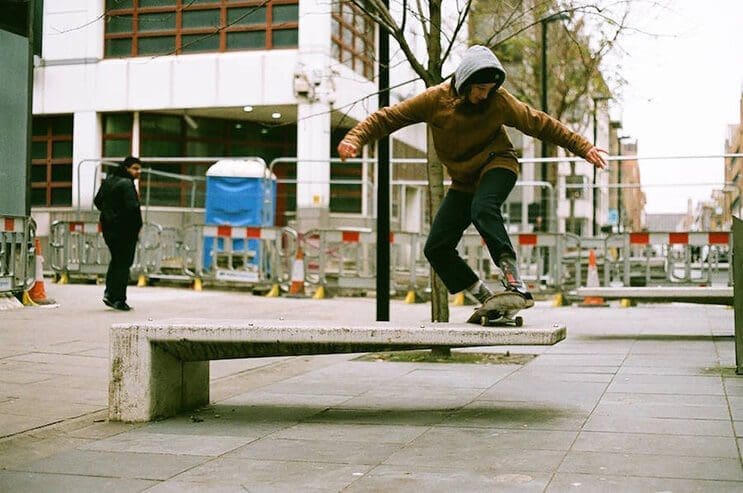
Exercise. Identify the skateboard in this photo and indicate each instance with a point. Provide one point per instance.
(495, 318)
(500, 310)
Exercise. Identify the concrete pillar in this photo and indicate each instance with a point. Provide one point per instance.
(146, 382)
(86, 144)
(313, 175)
(313, 114)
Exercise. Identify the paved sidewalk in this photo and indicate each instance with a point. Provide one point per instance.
(637, 399)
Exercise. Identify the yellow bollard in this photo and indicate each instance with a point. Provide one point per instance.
(559, 300)
(410, 297)
(319, 293)
(274, 292)
(197, 285)
(142, 281)
(459, 299)
(63, 278)
(625, 303)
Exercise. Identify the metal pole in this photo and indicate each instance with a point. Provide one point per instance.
(737, 268)
(619, 190)
(383, 185)
(544, 103)
(593, 191)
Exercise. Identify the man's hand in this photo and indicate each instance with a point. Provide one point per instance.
(594, 157)
(346, 150)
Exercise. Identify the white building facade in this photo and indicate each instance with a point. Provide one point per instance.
(219, 78)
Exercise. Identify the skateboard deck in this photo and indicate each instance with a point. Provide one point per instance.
(500, 310)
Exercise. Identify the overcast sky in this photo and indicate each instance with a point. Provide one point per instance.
(683, 91)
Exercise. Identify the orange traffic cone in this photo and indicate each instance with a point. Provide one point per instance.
(592, 281)
(37, 294)
(296, 289)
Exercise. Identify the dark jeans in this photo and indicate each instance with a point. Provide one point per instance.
(460, 209)
(122, 256)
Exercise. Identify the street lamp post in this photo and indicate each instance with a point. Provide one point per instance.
(620, 163)
(596, 100)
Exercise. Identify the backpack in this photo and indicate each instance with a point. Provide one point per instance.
(99, 200)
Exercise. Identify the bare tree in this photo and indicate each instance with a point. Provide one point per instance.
(578, 47)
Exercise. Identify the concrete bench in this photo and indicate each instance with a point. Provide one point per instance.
(712, 295)
(161, 368)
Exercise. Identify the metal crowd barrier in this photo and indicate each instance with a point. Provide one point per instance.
(17, 254)
(78, 250)
(346, 259)
(650, 259)
(255, 256)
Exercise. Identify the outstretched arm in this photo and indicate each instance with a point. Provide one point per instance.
(383, 122)
(544, 127)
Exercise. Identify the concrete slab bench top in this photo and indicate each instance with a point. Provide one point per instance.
(160, 368)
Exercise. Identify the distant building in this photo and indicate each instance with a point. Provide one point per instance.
(666, 222)
(734, 169)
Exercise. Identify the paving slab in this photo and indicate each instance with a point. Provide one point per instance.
(446, 480)
(116, 464)
(656, 444)
(687, 467)
(32, 482)
(308, 450)
(275, 475)
(141, 441)
(669, 426)
(605, 483)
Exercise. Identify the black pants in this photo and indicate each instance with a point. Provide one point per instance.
(460, 209)
(122, 256)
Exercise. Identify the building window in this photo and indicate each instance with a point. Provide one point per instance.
(353, 38)
(168, 27)
(117, 134)
(171, 136)
(51, 161)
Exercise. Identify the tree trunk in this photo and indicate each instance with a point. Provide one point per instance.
(439, 294)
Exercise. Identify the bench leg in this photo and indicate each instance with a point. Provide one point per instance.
(147, 382)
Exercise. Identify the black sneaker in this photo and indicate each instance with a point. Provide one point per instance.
(121, 305)
(108, 302)
(521, 290)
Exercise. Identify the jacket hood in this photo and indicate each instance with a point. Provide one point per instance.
(475, 59)
(121, 171)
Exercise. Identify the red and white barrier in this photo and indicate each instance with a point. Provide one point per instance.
(363, 237)
(240, 232)
(537, 239)
(11, 225)
(85, 228)
(684, 238)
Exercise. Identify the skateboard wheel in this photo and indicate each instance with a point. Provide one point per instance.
(484, 321)
(519, 321)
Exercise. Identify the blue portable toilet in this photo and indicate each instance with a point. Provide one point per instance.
(239, 192)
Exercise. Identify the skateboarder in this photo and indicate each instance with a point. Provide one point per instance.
(466, 117)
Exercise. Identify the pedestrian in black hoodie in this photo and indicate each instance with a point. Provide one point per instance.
(121, 220)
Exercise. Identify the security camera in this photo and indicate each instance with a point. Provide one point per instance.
(301, 85)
